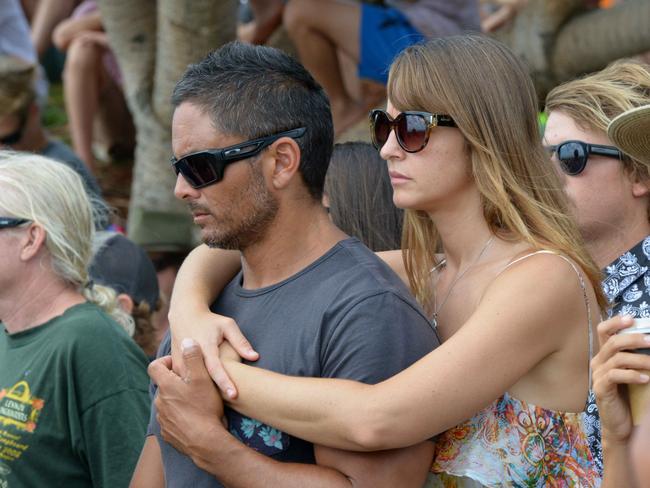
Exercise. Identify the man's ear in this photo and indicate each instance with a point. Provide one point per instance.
(32, 242)
(640, 188)
(286, 154)
(125, 302)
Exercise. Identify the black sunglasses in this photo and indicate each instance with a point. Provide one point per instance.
(411, 128)
(9, 222)
(573, 155)
(204, 168)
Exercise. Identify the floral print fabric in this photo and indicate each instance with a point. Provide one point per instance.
(256, 435)
(513, 443)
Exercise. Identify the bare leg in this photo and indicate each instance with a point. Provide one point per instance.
(47, 14)
(319, 28)
(82, 83)
(267, 16)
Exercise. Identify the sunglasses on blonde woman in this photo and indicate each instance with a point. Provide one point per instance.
(411, 128)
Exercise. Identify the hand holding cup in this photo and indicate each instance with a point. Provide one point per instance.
(617, 365)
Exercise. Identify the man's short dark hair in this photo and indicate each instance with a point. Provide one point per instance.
(256, 91)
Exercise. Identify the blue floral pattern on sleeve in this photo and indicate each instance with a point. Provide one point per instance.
(256, 435)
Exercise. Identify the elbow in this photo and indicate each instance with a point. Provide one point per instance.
(366, 438)
(370, 431)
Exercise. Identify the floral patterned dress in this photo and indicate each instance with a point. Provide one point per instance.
(514, 443)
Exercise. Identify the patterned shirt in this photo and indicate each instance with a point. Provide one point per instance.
(627, 288)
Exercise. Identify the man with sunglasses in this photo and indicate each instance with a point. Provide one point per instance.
(609, 189)
(252, 137)
(21, 128)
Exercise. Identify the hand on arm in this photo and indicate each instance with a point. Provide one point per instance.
(188, 412)
(204, 273)
(613, 367)
(512, 330)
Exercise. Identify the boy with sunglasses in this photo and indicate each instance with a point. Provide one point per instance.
(609, 189)
(252, 138)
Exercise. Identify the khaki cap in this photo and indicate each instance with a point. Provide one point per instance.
(16, 85)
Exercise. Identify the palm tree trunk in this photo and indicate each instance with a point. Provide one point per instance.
(590, 41)
(154, 42)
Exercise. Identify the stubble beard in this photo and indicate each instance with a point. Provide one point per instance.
(237, 234)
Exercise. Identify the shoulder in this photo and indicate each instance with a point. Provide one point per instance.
(546, 290)
(95, 340)
(359, 272)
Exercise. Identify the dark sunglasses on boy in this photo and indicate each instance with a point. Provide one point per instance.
(573, 155)
(411, 128)
(10, 222)
(204, 168)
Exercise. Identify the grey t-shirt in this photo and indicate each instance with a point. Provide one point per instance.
(347, 315)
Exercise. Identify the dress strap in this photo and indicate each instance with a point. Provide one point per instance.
(584, 295)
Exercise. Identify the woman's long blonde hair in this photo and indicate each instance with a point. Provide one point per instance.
(488, 92)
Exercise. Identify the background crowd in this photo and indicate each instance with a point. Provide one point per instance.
(86, 84)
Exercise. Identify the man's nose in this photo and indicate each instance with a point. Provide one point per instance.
(183, 190)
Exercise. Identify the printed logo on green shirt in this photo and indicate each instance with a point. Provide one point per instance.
(19, 408)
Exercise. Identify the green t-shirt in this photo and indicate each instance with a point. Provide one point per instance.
(74, 404)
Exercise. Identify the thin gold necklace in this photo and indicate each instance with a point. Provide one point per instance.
(436, 309)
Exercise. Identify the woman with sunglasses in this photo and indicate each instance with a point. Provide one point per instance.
(491, 254)
(607, 187)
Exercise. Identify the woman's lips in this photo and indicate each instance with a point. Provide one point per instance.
(397, 177)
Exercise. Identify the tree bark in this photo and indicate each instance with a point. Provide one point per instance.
(561, 39)
(154, 42)
(591, 41)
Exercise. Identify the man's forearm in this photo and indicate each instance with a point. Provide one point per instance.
(236, 465)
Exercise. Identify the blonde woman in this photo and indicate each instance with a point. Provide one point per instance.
(73, 386)
(512, 291)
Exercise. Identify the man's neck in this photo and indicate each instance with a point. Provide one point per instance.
(297, 238)
(608, 247)
(35, 302)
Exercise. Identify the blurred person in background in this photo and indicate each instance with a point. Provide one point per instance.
(21, 128)
(359, 196)
(97, 112)
(125, 267)
(371, 35)
(73, 385)
(608, 188)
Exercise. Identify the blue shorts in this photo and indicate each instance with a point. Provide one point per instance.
(385, 32)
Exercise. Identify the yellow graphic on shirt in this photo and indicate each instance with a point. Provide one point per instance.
(19, 408)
